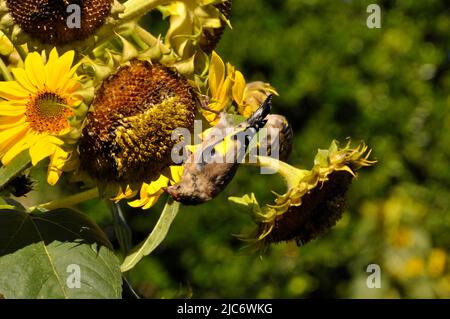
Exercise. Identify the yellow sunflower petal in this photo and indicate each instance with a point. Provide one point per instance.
(239, 87)
(70, 87)
(14, 136)
(153, 200)
(216, 74)
(21, 77)
(74, 69)
(11, 121)
(59, 71)
(150, 193)
(41, 150)
(53, 56)
(12, 110)
(176, 172)
(138, 202)
(8, 133)
(50, 67)
(223, 95)
(52, 140)
(35, 70)
(11, 90)
(155, 186)
(15, 150)
(57, 162)
(121, 194)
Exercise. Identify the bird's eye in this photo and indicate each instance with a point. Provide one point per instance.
(209, 157)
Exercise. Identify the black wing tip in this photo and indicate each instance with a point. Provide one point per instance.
(267, 105)
(262, 112)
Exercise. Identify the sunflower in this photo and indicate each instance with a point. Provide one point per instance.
(315, 198)
(35, 110)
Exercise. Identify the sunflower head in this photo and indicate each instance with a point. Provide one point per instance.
(37, 111)
(47, 20)
(321, 209)
(127, 138)
(315, 199)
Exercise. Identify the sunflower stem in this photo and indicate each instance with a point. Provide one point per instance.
(5, 72)
(68, 201)
(134, 9)
(291, 174)
(142, 45)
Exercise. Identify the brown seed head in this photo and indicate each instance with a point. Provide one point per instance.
(47, 20)
(320, 210)
(128, 137)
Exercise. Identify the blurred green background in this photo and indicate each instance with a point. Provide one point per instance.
(336, 78)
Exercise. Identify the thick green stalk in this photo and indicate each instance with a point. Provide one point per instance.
(69, 200)
(291, 174)
(134, 9)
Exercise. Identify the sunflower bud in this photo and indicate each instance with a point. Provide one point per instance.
(127, 138)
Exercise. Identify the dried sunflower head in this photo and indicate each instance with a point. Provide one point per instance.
(56, 22)
(315, 198)
(127, 138)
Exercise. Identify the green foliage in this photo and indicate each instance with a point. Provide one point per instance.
(37, 251)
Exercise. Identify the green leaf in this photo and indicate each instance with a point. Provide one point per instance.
(41, 256)
(155, 238)
(20, 163)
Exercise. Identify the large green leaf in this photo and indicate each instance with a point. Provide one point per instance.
(155, 238)
(42, 254)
